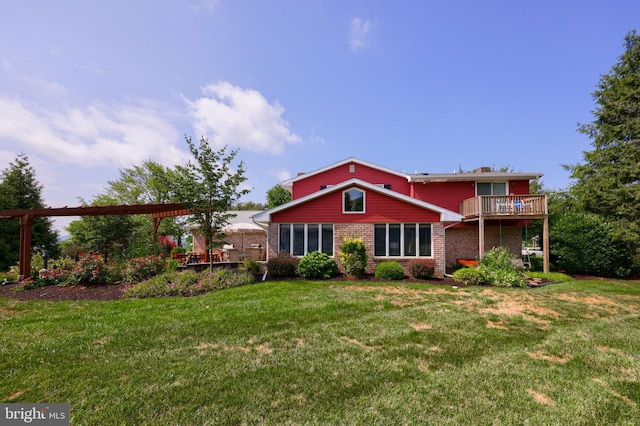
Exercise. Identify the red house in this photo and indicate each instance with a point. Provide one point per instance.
(444, 217)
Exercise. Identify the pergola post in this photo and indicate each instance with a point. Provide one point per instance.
(26, 223)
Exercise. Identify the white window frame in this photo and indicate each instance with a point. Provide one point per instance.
(402, 254)
(364, 201)
(319, 226)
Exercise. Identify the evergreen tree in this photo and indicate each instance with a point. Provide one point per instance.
(19, 189)
(608, 181)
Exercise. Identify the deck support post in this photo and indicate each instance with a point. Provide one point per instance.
(480, 237)
(545, 244)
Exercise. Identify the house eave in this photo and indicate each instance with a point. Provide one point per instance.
(473, 177)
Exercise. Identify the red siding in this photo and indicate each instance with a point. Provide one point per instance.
(519, 187)
(379, 209)
(448, 195)
(311, 184)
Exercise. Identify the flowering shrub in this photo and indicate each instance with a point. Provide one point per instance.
(187, 283)
(31, 283)
(353, 256)
(421, 269)
(89, 270)
(143, 268)
(166, 244)
(317, 265)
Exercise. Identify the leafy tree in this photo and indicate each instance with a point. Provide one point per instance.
(19, 189)
(209, 187)
(109, 235)
(277, 196)
(149, 182)
(585, 243)
(608, 181)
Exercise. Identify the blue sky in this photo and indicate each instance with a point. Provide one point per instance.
(91, 87)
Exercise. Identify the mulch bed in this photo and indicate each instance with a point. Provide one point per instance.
(56, 292)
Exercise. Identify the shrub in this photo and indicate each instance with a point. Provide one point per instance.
(389, 270)
(353, 256)
(143, 268)
(31, 283)
(317, 265)
(90, 269)
(421, 269)
(283, 265)
(469, 276)
(8, 277)
(586, 244)
(178, 250)
(169, 284)
(220, 279)
(498, 268)
(187, 283)
(250, 266)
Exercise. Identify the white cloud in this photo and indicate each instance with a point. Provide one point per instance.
(359, 34)
(99, 134)
(283, 175)
(314, 138)
(231, 115)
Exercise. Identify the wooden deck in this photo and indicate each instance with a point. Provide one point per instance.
(504, 207)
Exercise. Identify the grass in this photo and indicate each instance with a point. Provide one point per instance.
(298, 352)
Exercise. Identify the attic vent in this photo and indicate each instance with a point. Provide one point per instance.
(352, 168)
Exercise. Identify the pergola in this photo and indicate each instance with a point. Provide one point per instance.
(26, 216)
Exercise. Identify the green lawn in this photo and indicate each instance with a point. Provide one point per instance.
(334, 353)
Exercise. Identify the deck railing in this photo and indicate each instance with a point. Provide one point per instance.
(504, 205)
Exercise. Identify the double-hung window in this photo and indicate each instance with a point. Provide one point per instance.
(402, 240)
(298, 239)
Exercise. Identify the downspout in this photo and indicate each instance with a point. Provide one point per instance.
(444, 243)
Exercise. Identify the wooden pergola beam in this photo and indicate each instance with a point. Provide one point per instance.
(26, 216)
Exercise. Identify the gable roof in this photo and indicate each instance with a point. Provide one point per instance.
(445, 215)
(289, 182)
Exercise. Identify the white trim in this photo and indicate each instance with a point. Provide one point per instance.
(364, 201)
(472, 177)
(349, 160)
(445, 215)
(402, 255)
(305, 249)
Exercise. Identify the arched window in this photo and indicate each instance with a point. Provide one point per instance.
(353, 201)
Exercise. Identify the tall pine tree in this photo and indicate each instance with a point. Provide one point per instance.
(19, 189)
(608, 181)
